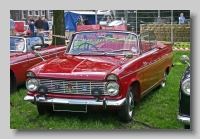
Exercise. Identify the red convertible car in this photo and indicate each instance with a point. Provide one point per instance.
(103, 69)
(23, 56)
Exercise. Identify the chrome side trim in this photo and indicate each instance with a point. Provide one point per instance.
(76, 101)
(144, 67)
(184, 120)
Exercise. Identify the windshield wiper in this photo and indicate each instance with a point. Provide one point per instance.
(93, 52)
(120, 50)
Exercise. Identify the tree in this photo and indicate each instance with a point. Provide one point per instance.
(58, 27)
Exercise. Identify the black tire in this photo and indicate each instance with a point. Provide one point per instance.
(126, 112)
(42, 110)
(13, 85)
(164, 81)
(186, 126)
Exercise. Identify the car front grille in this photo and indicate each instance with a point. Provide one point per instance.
(78, 87)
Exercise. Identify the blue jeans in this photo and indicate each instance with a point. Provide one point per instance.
(32, 33)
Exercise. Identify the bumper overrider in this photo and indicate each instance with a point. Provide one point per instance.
(36, 99)
(183, 119)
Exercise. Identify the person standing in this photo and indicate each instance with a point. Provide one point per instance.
(108, 19)
(181, 19)
(31, 27)
(31, 19)
(39, 26)
(12, 27)
(46, 25)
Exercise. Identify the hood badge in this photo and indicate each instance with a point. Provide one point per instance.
(70, 89)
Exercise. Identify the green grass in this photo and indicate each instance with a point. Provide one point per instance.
(179, 44)
(157, 110)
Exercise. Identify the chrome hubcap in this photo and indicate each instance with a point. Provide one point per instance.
(131, 104)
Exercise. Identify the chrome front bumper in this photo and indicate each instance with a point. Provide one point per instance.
(184, 120)
(104, 102)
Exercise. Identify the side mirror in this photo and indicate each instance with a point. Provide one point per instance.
(184, 59)
(36, 47)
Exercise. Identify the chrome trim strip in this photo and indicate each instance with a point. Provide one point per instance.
(19, 62)
(184, 120)
(143, 67)
(75, 101)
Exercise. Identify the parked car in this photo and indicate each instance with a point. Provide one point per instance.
(23, 56)
(117, 23)
(184, 95)
(19, 27)
(102, 69)
(131, 26)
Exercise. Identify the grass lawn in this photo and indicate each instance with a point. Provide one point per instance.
(157, 110)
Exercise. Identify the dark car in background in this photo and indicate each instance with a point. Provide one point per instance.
(131, 26)
(184, 95)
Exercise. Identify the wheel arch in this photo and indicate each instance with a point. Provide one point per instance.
(137, 89)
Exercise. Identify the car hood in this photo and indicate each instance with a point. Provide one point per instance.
(67, 66)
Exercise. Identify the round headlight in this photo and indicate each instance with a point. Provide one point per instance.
(112, 88)
(186, 86)
(32, 84)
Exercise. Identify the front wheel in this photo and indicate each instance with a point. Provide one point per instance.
(126, 111)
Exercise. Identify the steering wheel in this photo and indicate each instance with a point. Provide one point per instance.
(86, 46)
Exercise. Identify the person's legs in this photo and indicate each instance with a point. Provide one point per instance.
(10, 31)
(37, 34)
(32, 33)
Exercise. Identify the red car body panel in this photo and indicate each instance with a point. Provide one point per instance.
(20, 62)
(19, 27)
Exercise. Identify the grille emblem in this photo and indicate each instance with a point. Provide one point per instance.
(84, 88)
(57, 86)
(69, 89)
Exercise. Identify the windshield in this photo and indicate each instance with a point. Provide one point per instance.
(17, 44)
(105, 42)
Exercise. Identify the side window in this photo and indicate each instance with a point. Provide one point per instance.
(28, 46)
(145, 42)
(148, 41)
(34, 41)
(152, 40)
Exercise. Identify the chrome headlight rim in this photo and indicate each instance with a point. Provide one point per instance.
(111, 77)
(30, 74)
(106, 88)
(184, 86)
(34, 82)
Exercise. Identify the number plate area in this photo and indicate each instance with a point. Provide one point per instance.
(69, 107)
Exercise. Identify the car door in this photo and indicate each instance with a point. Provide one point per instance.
(148, 65)
(33, 58)
(157, 57)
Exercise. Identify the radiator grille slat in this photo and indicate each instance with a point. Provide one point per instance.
(78, 86)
